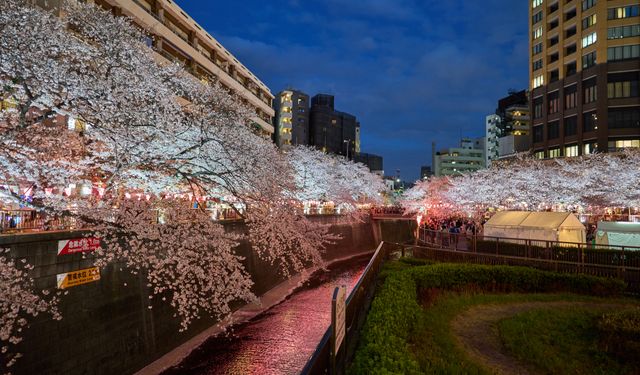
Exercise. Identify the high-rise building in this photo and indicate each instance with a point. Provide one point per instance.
(469, 157)
(292, 118)
(508, 130)
(584, 70)
(333, 131)
(175, 36)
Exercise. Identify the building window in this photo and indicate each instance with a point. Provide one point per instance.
(623, 32)
(623, 12)
(554, 75)
(622, 144)
(537, 48)
(589, 21)
(536, 3)
(571, 97)
(589, 39)
(589, 148)
(586, 4)
(570, 69)
(554, 152)
(536, 18)
(537, 33)
(570, 151)
(538, 133)
(589, 60)
(538, 81)
(624, 118)
(570, 126)
(539, 154)
(553, 104)
(537, 65)
(553, 130)
(537, 107)
(623, 52)
(623, 85)
(590, 121)
(590, 91)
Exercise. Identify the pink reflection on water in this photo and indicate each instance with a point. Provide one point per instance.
(284, 338)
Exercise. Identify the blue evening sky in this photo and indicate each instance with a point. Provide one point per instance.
(412, 72)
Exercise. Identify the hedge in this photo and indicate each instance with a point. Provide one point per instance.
(384, 342)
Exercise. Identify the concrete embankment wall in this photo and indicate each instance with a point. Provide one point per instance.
(107, 325)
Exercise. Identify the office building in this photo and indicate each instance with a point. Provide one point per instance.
(468, 157)
(175, 36)
(292, 118)
(333, 131)
(584, 72)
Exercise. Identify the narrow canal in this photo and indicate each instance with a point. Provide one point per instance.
(280, 340)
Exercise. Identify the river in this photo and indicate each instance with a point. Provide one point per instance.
(280, 340)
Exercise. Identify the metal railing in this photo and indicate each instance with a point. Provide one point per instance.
(575, 252)
(357, 304)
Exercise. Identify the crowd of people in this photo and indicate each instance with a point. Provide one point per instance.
(453, 225)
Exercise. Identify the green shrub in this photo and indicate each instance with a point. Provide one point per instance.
(512, 279)
(384, 343)
(620, 334)
(417, 261)
(383, 346)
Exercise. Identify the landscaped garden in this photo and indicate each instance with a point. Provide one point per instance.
(470, 319)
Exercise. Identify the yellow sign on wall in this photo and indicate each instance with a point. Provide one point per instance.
(75, 278)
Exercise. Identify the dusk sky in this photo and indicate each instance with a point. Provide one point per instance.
(412, 72)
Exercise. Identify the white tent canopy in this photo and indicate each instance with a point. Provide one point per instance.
(542, 226)
(618, 233)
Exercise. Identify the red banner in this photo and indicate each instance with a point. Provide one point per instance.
(78, 245)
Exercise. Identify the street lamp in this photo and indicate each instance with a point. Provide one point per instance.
(348, 142)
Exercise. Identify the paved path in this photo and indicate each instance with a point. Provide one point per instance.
(477, 333)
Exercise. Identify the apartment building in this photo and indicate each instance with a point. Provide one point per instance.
(507, 131)
(584, 70)
(175, 36)
(292, 118)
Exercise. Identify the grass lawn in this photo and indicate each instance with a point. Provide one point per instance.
(408, 328)
(563, 341)
(435, 348)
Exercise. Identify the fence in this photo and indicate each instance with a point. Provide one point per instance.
(357, 304)
(597, 260)
(628, 256)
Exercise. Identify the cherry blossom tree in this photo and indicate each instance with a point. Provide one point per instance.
(323, 177)
(85, 101)
(585, 183)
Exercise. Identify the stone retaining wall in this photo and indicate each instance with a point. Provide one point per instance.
(107, 327)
